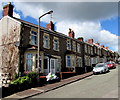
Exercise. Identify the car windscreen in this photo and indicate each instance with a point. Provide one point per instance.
(108, 63)
(99, 65)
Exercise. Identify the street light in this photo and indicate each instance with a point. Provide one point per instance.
(38, 40)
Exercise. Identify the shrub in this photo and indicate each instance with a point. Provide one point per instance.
(33, 76)
(21, 83)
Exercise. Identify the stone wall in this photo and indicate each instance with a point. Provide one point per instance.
(9, 59)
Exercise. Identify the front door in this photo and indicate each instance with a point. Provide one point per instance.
(53, 64)
(46, 65)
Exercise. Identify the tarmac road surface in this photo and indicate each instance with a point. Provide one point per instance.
(95, 86)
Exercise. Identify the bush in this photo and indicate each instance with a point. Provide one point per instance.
(33, 76)
(21, 83)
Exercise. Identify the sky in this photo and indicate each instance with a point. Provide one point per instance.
(97, 20)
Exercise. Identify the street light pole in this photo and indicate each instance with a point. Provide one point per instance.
(38, 42)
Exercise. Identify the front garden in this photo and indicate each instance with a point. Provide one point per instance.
(27, 81)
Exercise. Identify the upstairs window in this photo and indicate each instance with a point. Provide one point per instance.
(91, 50)
(78, 48)
(46, 41)
(34, 38)
(68, 45)
(74, 46)
(85, 47)
(56, 44)
(95, 49)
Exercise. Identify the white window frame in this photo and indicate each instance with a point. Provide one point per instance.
(56, 44)
(78, 48)
(74, 46)
(85, 47)
(33, 42)
(46, 41)
(68, 44)
(67, 61)
(95, 49)
(91, 50)
(79, 62)
(27, 60)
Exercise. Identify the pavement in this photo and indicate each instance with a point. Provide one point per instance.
(38, 90)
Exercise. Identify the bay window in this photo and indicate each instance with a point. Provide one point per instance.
(68, 61)
(29, 62)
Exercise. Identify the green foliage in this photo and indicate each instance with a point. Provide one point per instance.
(21, 80)
(32, 75)
(20, 84)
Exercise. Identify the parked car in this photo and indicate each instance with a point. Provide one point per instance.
(111, 64)
(100, 68)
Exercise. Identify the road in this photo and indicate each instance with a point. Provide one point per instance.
(95, 86)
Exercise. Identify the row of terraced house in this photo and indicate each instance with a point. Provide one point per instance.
(58, 52)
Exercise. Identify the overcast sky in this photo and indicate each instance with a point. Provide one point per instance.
(85, 18)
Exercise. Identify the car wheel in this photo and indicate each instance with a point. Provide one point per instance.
(105, 71)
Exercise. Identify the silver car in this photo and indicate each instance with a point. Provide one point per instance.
(100, 68)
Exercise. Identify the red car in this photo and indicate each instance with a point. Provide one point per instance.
(111, 64)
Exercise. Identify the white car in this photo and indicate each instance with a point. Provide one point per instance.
(100, 68)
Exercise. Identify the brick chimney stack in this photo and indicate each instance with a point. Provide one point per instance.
(8, 10)
(102, 46)
(71, 33)
(90, 41)
(106, 48)
(50, 26)
(98, 43)
(80, 39)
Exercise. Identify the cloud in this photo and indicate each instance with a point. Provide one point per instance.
(31, 9)
(62, 0)
(72, 11)
(1, 9)
(17, 15)
(89, 30)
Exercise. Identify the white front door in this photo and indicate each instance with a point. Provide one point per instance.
(53, 64)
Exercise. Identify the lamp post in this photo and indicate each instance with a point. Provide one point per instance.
(38, 41)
